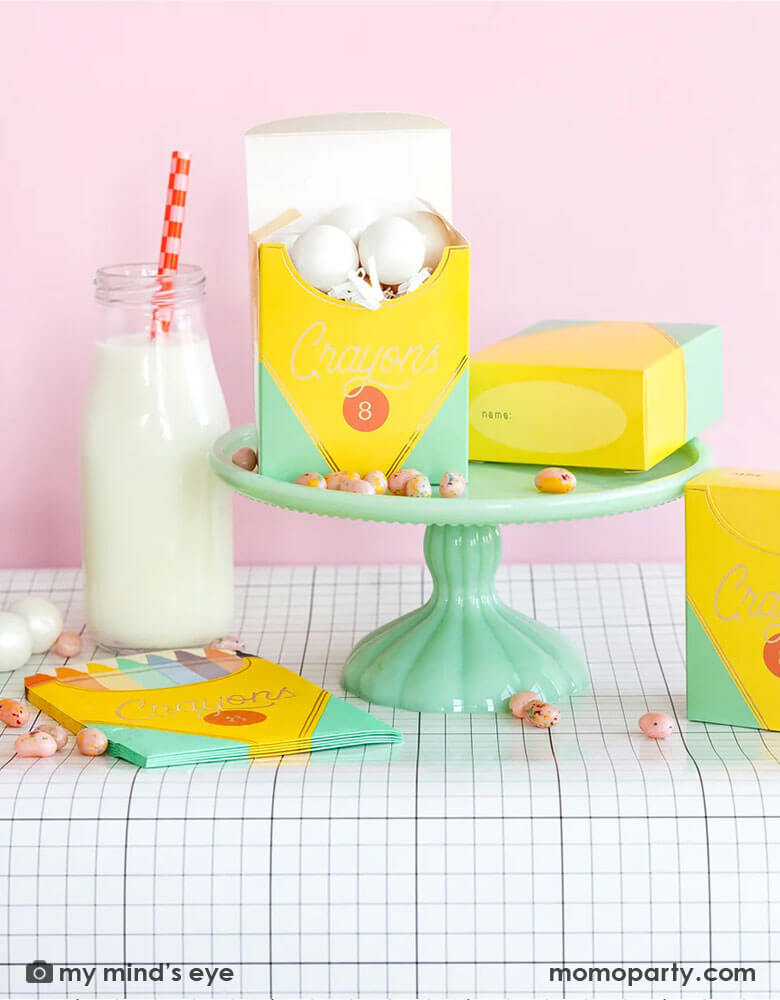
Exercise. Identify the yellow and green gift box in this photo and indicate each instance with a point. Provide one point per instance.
(732, 528)
(613, 395)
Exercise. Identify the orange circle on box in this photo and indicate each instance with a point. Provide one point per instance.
(772, 655)
(367, 409)
(236, 717)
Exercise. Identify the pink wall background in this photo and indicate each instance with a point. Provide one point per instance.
(610, 161)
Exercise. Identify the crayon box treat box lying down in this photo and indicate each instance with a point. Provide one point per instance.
(365, 367)
(732, 531)
(607, 395)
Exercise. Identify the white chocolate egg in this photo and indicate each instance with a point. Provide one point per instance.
(352, 218)
(324, 256)
(397, 247)
(15, 641)
(44, 620)
(435, 236)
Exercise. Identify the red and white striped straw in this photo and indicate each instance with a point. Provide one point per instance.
(173, 222)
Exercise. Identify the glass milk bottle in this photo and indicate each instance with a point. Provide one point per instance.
(157, 523)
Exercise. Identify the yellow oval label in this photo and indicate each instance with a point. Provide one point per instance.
(547, 416)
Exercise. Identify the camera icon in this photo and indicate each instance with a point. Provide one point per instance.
(39, 972)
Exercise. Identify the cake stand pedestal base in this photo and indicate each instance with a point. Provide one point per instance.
(464, 650)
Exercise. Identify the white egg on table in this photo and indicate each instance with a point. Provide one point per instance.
(435, 236)
(15, 641)
(43, 618)
(397, 247)
(324, 256)
(352, 218)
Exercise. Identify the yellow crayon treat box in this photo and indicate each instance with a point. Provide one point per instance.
(732, 532)
(340, 385)
(613, 395)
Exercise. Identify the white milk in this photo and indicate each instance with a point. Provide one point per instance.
(157, 523)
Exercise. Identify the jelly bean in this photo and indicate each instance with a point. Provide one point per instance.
(519, 700)
(377, 480)
(356, 486)
(335, 479)
(453, 484)
(418, 486)
(58, 733)
(313, 479)
(245, 458)
(35, 744)
(542, 715)
(656, 725)
(67, 644)
(13, 712)
(396, 481)
(555, 480)
(91, 742)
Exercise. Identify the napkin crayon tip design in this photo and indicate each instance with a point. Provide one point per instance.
(187, 705)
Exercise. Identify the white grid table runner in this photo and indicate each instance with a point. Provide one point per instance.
(465, 862)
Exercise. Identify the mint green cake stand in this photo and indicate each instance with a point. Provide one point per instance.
(465, 650)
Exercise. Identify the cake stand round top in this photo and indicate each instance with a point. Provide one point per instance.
(497, 494)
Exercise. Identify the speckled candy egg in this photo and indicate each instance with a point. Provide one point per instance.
(396, 481)
(555, 480)
(453, 484)
(334, 479)
(245, 458)
(58, 733)
(542, 715)
(13, 712)
(377, 480)
(656, 725)
(313, 479)
(35, 744)
(357, 486)
(519, 700)
(91, 742)
(418, 486)
(67, 644)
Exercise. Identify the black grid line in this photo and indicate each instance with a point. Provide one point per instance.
(464, 862)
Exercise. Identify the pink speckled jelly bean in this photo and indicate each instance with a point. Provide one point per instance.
(91, 742)
(396, 481)
(518, 702)
(356, 486)
(418, 486)
(313, 479)
(13, 712)
(453, 484)
(656, 725)
(334, 479)
(58, 733)
(377, 480)
(542, 715)
(35, 744)
(67, 644)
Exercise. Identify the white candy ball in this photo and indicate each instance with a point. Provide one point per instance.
(434, 234)
(15, 641)
(43, 618)
(352, 218)
(323, 256)
(397, 247)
